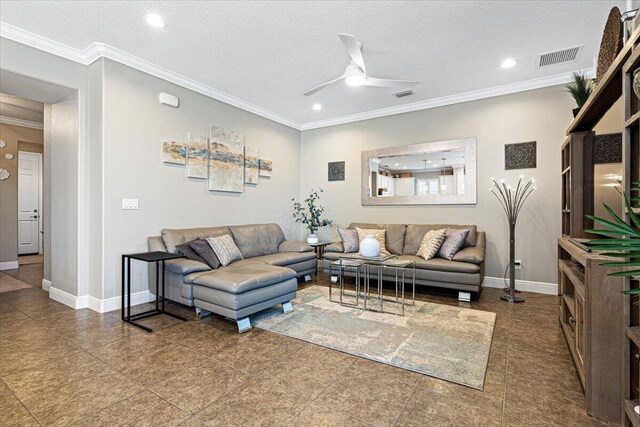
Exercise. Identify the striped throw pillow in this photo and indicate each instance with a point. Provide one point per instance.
(380, 236)
(431, 243)
(225, 248)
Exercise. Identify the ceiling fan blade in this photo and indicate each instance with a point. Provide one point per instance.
(400, 84)
(323, 85)
(353, 47)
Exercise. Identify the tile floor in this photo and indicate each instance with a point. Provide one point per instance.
(59, 366)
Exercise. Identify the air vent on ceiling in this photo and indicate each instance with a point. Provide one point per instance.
(403, 93)
(558, 57)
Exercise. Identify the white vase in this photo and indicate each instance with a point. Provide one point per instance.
(369, 246)
(312, 238)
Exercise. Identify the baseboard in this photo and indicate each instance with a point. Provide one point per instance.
(46, 285)
(9, 265)
(523, 285)
(96, 304)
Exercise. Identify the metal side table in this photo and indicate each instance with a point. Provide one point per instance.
(342, 265)
(159, 258)
(399, 266)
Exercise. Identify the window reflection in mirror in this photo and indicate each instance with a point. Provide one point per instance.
(424, 174)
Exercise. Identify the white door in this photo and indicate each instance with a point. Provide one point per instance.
(28, 202)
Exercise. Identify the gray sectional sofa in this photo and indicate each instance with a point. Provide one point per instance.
(265, 277)
(464, 273)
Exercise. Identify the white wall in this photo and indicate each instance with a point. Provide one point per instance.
(135, 125)
(541, 115)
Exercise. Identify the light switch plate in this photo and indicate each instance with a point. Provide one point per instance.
(130, 204)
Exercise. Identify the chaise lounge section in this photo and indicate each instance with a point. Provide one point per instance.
(265, 277)
(465, 272)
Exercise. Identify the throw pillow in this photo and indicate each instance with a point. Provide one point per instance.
(225, 248)
(380, 236)
(350, 241)
(202, 248)
(430, 244)
(452, 243)
(185, 250)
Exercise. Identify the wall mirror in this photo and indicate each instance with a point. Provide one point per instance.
(431, 173)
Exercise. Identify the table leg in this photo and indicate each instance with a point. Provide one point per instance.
(157, 279)
(122, 277)
(163, 288)
(129, 288)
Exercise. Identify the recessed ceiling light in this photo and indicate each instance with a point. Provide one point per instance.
(508, 63)
(404, 167)
(317, 107)
(356, 80)
(397, 164)
(155, 21)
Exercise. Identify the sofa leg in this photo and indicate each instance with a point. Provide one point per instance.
(244, 325)
(464, 296)
(287, 307)
(202, 313)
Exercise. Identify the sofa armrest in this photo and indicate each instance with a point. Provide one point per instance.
(334, 247)
(474, 255)
(185, 266)
(289, 246)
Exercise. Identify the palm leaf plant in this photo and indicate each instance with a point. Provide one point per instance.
(622, 240)
(580, 89)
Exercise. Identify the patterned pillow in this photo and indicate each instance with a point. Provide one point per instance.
(225, 248)
(204, 251)
(452, 243)
(430, 244)
(350, 240)
(380, 236)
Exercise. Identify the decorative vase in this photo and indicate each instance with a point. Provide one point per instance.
(636, 82)
(312, 238)
(369, 246)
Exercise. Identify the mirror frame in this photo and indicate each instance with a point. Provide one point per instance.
(468, 144)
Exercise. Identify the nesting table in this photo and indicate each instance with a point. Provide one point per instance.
(362, 269)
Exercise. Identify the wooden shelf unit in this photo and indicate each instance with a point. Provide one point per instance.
(589, 304)
(577, 201)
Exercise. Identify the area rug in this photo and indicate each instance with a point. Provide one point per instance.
(446, 342)
(8, 283)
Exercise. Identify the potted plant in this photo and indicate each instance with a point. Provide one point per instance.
(580, 89)
(310, 213)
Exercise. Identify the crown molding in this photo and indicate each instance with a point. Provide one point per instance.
(96, 51)
(538, 83)
(19, 122)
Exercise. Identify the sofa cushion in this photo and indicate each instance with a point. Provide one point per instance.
(350, 240)
(454, 239)
(205, 251)
(225, 249)
(186, 250)
(237, 279)
(334, 247)
(257, 239)
(431, 243)
(415, 233)
(185, 266)
(175, 236)
(473, 255)
(285, 258)
(289, 246)
(394, 236)
(440, 264)
(246, 299)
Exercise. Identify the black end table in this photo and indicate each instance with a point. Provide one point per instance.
(159, 258)
(319, 249)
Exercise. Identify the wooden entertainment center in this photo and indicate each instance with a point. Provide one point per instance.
(600, 323)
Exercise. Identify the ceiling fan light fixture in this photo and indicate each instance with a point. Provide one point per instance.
(355, 81)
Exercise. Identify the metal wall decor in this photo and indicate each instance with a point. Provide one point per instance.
(3, 144)
(608, 148)
(4, 174)
(522, 155)
(336, 171)
(8, 156)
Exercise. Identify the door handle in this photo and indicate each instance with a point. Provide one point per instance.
(35, 216)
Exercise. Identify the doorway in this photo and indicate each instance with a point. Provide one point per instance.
(29, 203)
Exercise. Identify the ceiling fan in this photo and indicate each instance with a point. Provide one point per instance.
(356, 72)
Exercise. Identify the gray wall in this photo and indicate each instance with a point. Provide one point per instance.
(135, 125)
(541, 115)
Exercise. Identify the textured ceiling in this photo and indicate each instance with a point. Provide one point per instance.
(21, 109)
(270, 53)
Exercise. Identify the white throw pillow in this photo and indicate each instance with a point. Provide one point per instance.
(431, 243)
(225, 248)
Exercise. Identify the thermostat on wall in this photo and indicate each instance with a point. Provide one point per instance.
(170, 100)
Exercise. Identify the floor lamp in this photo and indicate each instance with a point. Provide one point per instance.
(512, 200)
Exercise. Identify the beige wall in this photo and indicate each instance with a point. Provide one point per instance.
(135, 125)
(541, 115)
(11, 134)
